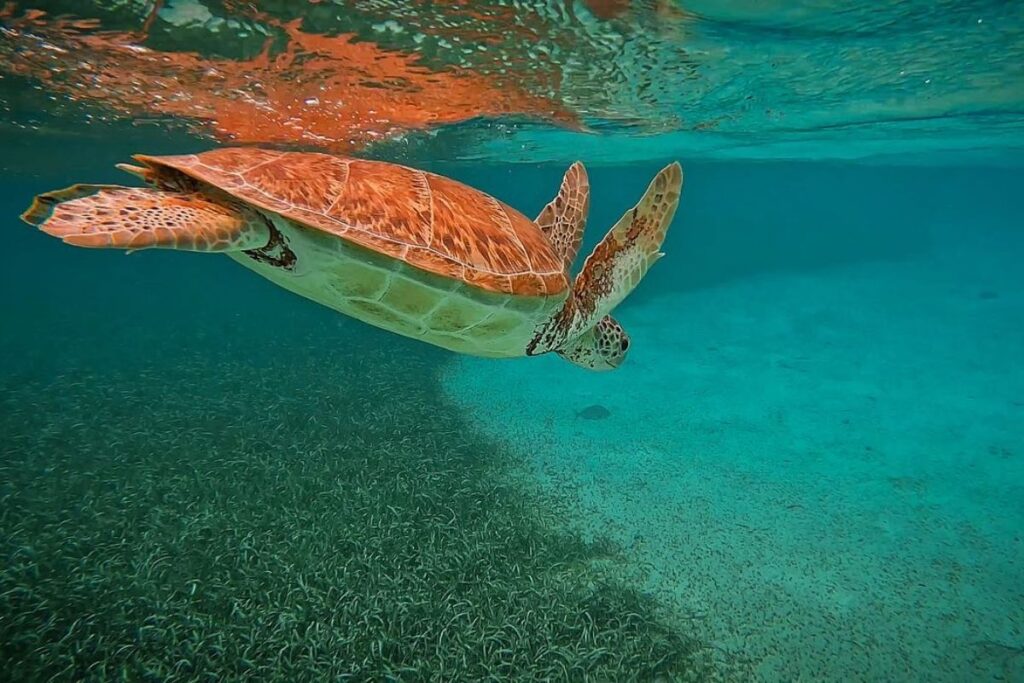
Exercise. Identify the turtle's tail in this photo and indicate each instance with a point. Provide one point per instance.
(115, 217)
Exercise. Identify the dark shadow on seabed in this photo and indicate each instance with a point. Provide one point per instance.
(203, 471)
(204, 475)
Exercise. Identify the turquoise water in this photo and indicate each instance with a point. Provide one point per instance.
(810, 467)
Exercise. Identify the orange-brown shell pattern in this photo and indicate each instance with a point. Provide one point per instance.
(429, 221)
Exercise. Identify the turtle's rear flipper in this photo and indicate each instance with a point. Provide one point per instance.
(114, 217)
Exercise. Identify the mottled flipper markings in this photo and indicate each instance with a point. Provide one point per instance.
(43, 205)
(565, 217)
(135, 218)
(629, 249)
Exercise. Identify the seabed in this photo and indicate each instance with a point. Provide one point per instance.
(809, 467)
(280, 509)
(819, 467)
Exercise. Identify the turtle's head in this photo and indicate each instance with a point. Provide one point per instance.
(602, 347)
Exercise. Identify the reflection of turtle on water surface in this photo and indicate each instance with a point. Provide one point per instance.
(411, 252)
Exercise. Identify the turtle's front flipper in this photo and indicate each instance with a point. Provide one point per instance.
(109, 216)
(565, 216)
(583, 332)
(625, 254)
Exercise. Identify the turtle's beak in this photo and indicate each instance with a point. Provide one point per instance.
(141, 172)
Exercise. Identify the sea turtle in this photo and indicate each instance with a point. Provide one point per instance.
(412, 252)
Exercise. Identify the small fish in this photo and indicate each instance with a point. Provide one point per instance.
(594, 412)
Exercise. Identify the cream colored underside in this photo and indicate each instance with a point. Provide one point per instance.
(392, 295)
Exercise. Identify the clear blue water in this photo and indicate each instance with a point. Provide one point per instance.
(809, 468)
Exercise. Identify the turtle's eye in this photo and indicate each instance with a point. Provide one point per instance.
(624, 344)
